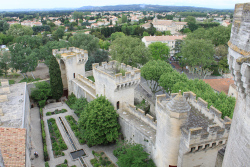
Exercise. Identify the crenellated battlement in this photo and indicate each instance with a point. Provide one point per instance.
(80, 54)
(86, 81)
(113, 70)
(140, 114)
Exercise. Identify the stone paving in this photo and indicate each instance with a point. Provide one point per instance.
(36, 138)
(55, 161)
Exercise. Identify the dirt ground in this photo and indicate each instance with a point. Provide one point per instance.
(42, 72)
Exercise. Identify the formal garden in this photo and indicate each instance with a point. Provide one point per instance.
(101, 159)
(56, 112)
(58, 144)
(74, 127)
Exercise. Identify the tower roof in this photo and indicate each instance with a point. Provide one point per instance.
(179, 104)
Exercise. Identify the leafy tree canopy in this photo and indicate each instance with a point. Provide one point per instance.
(129, 50)
(19, 30)
(197, 52)
(152, 72)
(85, 41)
(99, 122)
(133, 155)
(41, 93)
(159, 51)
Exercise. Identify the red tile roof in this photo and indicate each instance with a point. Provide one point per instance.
(12, 145)
(220, 84)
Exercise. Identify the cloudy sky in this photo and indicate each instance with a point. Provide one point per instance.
(24, 4)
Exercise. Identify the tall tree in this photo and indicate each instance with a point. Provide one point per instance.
(19, 30)
(152, 72)
(197, 52)
(55, 78)
(4, 26)
(99, 122)
(159, 51)
(4, 61)
(129, 50)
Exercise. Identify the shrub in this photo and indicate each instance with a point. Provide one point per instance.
(93, 161)
(48, 113)
(71, 100)
(93, 152)
(11, 82)
(97, 165)
(46, 164)
(65, 161)
(103, 162)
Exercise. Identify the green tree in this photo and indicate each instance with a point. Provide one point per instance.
(159, 51)
(41, 93)
(79, 106)
(145, 34)
(59, 33)
(197, 52)
(129, 50)
(85, 41)
(116, 35)
(4, 61)
(167, 80)
(133, 155)
(124, 18)
(104, 44)
(23, 58)
(4, 26)
(152, 72)
(99, 122)
(191, 22)
(55, 79)
(158, 33)
(19, 30)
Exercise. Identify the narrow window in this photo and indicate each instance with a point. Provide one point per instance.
(74, 75)
(117, 105)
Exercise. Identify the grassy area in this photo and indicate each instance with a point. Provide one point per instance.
(11, 82)
(101, 159)
(91, 78)
(29, 80)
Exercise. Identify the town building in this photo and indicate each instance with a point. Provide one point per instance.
(169, 40)
(165, 25)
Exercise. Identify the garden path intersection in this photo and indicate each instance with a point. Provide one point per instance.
(55, 161)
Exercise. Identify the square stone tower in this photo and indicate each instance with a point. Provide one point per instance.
(72, 62)
(118, 88)
(238, 147)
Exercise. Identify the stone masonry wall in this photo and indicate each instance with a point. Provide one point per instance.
(238, 147)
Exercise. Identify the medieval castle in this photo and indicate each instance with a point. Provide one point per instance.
(185, 132)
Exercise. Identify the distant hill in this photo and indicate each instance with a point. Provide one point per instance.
(135, 7)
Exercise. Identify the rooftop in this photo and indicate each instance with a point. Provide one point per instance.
(220, 84)
(12, 145)
(12, 105)
(197, 119)
(164, 38)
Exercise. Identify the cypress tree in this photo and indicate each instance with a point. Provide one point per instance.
(55, 79)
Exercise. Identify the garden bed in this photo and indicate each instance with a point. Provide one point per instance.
(101, 159)
(73, 125)
(45, 151)
(65, 164)
(58, 144)
(56, 112)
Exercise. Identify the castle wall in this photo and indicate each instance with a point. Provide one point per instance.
(238, 147)
(168, 134)
(72, 62)
(80, 90)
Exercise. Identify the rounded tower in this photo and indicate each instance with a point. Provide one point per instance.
(238, 147)
(171, 115)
